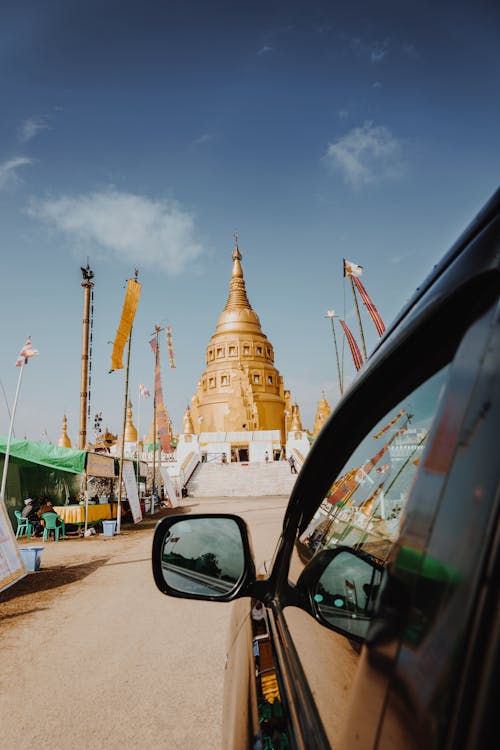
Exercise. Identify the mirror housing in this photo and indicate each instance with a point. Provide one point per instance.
(340, 587)
(203, 556)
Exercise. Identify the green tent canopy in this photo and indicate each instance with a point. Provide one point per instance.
(44, 454)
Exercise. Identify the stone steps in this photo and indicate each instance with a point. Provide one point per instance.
(241, 480)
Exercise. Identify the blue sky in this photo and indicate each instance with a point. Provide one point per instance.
(144, 134)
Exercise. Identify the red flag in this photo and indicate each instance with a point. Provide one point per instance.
(356, 354)
(374, 313)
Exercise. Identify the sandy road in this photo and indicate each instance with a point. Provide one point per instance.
(94, 656)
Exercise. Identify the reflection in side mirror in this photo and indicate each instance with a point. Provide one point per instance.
(203, 556)
(345, 593)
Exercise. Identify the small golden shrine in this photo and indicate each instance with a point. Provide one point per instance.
(240, 389)
(322, 413)
(64, 441)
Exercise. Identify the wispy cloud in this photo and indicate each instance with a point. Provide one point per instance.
(379, 50)
(8, 170)
(31, 127)
(264, 50)
(374, 51)
(204, 138)
(134, 229)
(365, 155)
(410, 51)
(376, 85)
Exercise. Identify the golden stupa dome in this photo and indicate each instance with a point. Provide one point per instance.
(64, 441)
(241, 389)
(130, 430)
(322, 413)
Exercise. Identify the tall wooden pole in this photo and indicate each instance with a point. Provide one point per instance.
(157, 355)
(84, 379)
(341, 379)
(359, 317)
(120, 472)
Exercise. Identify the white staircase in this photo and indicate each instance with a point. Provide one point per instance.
(241, 480)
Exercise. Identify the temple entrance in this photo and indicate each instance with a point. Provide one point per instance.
(239, 453)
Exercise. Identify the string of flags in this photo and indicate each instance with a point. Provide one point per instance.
(170, 346)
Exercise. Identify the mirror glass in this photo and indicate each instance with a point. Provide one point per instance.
(203, 556)
(345, 593)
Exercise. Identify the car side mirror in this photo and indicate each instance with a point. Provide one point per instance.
(340, 586)
(203, 557)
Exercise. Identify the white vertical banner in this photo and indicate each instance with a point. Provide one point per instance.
(130, 482)
(169, 487)
(11, 566)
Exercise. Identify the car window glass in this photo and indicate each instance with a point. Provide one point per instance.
(365, 503)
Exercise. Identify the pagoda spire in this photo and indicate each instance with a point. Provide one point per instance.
(237, 290)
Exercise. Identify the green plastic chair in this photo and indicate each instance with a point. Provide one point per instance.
(52, 525)
(24, 528)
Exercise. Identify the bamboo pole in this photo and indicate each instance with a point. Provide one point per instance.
(84, 377)
(341, 379)
(120, 472)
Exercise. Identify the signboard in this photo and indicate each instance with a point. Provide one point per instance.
(11, 565)
(99, 465)
(169, 487)
(130, 483)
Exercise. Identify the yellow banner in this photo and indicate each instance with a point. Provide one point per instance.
(128, 314)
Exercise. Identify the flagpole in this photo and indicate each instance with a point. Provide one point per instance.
(138, 433)
(120, 473)
(359, 316)
(9, 438)
(341, 383)
(157, 357)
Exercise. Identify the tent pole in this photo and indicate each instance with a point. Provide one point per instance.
(9, 438)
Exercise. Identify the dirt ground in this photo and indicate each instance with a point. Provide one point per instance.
(94, 656)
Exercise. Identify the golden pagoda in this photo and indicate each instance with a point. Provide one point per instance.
(241, 389)
(64, 441)
(322, 413)
(296, 420)
(130, 430)
(187, 423)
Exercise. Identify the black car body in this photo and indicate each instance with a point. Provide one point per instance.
(378, 624)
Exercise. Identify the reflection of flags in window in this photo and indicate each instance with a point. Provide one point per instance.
(26, 352)
(170, 346)
(390, 424)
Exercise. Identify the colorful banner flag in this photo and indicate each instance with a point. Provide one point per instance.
(352, 269)
(170, 346)
(162, 421)
(372, 310)
(126, 321)
(382, 469)
(356, 354)
(26, 352)
(143, 391)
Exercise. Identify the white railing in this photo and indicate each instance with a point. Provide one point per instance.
(187, 467)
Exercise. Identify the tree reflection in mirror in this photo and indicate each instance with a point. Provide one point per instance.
(345, 593)
(203, 556)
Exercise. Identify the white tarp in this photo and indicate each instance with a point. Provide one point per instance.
(130, 482)
(11, 565)
(169, 487)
